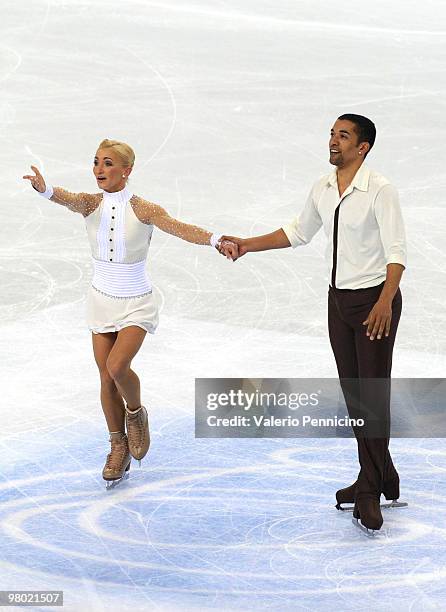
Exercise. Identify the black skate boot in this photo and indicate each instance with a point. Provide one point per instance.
(390, 490)
(346, 496)
(367, 513)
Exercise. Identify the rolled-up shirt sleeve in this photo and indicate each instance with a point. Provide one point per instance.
(305, 225)
(391, 225)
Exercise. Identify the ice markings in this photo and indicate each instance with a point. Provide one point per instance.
(269, 526)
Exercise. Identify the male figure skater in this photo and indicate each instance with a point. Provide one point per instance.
(366, 256)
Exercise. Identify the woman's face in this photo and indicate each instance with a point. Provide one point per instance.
(109, 171)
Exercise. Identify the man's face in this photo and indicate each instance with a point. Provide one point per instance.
(344, 146)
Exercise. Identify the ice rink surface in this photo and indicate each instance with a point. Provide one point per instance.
(228, 106)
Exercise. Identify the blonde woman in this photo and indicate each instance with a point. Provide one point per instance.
(120, 305)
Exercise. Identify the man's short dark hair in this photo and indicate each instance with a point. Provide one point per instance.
(365, 128)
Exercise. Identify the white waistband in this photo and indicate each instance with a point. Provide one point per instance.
(121, 279)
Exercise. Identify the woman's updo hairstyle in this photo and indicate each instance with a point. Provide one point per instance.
(124, 151)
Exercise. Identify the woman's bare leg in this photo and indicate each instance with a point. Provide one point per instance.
(128, 343)
(111, 398)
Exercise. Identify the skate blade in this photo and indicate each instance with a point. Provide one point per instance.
(111, 484)
(392, 504)
(370, 533)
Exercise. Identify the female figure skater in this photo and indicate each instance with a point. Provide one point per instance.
(120, 305)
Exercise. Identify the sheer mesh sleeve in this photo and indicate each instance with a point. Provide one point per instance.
(84, 203)
(154, 214)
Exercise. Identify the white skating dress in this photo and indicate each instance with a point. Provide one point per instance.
(119, 227)
(120, 293)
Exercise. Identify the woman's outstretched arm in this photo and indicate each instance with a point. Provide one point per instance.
(83, 203)
(158, 216)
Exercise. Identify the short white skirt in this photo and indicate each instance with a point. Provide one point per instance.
(106, 313)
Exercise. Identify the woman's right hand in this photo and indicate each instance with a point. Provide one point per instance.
(37, 181)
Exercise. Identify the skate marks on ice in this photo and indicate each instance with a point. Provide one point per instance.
(264, 527)
(397, 528)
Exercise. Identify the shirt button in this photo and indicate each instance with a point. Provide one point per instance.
(111, 239)
(111, 250)
(113, 208)
(112, 217)
(111, 229)
(111, 259)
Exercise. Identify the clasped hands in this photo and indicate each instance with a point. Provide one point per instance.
(231, 247)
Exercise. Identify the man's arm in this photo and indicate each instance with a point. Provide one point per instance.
(393, 237)
(298, 232)
(380, 316)
(391, 225)
(275, 240)
(394, 272)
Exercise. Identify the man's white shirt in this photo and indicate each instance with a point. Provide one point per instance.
(370, 229)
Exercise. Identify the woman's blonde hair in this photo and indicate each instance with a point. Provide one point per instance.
(125, 152)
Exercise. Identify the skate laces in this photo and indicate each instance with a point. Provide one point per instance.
(136, 426)
(119, 449)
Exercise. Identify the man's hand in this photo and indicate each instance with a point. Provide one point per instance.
(228, 248)
(237, 244)
(379, 319)
(274, 240)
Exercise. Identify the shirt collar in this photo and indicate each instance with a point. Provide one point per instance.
(360, 180)
(123, 195)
